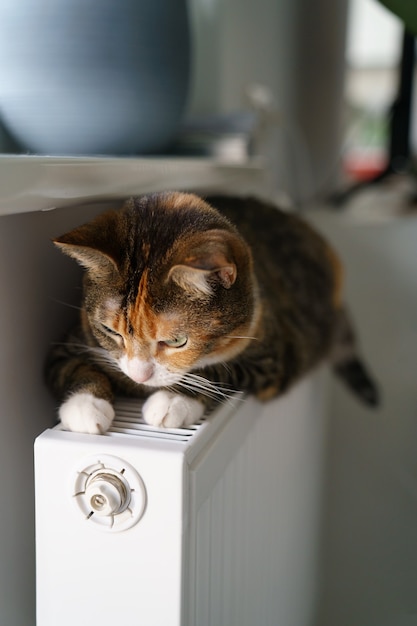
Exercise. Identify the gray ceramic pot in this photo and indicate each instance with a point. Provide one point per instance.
(93, 76)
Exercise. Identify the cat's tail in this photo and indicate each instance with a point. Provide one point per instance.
(348, 364)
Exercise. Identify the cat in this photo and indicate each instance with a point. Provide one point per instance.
(187, 300)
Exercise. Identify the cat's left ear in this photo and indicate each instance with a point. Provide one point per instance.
(209, 260)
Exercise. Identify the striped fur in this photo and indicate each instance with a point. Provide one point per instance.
(177, 297)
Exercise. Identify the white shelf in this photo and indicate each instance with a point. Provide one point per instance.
(41, 183)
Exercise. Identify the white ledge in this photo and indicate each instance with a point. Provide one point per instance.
(41, 183)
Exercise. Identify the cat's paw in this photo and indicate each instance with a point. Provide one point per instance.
(84, 413)
(169, 410)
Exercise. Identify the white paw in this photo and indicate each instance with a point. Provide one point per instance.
(170, 410)
(84, 413)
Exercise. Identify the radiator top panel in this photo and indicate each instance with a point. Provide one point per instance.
(129, 421)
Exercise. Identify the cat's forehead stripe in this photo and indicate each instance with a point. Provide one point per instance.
(140, 317)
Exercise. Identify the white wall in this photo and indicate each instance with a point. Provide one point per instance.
(370, 539)
(31, 280)
(296, 49)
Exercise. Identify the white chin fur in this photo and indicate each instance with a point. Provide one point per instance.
(165, 409)
(84, 413)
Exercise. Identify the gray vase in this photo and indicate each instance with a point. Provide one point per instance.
(93, 76)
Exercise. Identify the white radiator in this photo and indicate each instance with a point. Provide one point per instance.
(215, 525)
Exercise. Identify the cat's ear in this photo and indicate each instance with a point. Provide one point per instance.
(199, 282)
(208, 261)
(92, 245)
(89, 258)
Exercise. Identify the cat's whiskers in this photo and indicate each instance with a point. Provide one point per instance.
(103, 357)
(226, 366)
(216, 386)
(216, 395)
(202, 391)
(66, 343)
(199, 378)
(213, 390)
(216, 390)
(241, 337)
(95, 350)
(67, 304)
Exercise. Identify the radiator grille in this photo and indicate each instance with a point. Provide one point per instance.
(129, 421)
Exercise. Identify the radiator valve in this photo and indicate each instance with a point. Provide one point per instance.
(109, 493)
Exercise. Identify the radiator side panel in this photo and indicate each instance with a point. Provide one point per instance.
(255, 526)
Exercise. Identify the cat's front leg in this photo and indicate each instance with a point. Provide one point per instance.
(83, 412)
(170, 410)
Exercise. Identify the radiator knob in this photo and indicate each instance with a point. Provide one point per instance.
(107, 493)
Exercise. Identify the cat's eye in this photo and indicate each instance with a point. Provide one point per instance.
(176, 342)
(109, 330)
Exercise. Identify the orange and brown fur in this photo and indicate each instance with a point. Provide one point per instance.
(187, 300)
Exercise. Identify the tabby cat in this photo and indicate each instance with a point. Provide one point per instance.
(187, 300)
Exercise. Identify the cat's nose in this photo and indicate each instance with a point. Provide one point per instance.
(138, 370)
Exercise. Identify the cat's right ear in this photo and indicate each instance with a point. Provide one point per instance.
(94, 245)
(90, 258)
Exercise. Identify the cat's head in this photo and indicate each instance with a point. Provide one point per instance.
(169, 286)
